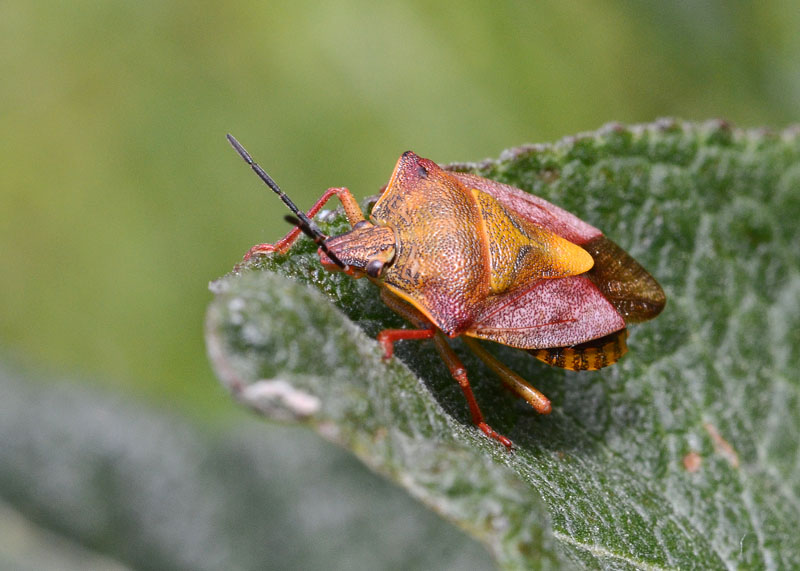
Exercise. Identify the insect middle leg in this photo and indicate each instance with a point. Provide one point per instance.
(459, 373)
(351, 209)
(457, 370)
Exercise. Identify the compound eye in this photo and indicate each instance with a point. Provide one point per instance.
(374, 268)
(360, 224)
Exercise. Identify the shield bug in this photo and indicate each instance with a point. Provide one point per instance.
(456, 254)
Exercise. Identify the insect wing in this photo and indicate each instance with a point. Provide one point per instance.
(550, 313)
(520, 251)
(534, 209)
(629, 287)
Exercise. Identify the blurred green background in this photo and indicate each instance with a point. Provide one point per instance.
(120, 198)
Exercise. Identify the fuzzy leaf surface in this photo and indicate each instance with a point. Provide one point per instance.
(683, 455)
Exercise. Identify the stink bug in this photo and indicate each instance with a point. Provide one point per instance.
(460, 255)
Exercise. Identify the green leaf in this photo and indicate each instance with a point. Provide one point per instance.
(683, 455)
(91, 479)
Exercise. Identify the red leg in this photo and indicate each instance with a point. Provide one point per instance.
(351, 209)
(427, 331)
(459, 373)
(387, 337)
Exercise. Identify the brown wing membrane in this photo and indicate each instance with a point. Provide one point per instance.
(626, 284)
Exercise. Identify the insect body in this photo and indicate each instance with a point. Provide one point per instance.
(459, 255)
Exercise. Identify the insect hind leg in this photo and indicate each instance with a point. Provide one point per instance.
(511, 380)
(589, 356)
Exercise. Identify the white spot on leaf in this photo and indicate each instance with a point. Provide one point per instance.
(281, 400)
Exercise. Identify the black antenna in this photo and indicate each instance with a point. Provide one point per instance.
(302, 221)
(319, 239)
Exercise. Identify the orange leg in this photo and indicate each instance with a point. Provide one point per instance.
(427, 331)
(511, 380)
(351, 209)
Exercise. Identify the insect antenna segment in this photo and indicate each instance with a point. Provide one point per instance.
(318, 237)
(300, 219)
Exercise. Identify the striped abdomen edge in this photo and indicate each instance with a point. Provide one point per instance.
(589, 356)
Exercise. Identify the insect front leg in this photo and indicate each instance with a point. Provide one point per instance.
(388, 337)
(351, 209)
